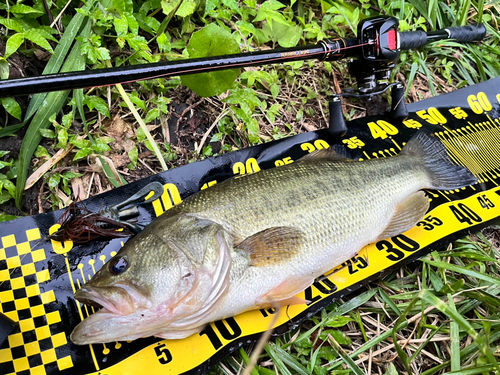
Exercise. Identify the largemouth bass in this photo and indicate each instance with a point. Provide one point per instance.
(259, 240)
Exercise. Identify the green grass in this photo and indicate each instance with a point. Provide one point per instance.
(438, 316)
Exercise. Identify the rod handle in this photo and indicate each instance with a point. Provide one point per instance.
(415, 39)
(467, 33)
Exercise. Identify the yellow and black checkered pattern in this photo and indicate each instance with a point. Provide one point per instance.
(36, 349)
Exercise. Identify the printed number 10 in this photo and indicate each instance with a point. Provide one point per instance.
(212, 335)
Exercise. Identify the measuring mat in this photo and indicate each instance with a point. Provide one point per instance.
(39, 276)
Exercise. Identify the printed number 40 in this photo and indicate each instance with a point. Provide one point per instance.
(381, 129)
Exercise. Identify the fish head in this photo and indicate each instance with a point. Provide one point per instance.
(157, 280)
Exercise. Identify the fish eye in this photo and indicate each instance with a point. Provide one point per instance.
(118, 265)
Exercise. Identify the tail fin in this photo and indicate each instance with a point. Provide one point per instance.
(442, 172)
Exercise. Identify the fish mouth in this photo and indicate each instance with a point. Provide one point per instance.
(112, 299)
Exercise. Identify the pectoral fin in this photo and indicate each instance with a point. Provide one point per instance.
(407, 215)
(273, 245)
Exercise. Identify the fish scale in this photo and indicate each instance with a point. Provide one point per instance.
(259, 240)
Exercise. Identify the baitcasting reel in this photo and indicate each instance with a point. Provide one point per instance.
(381, 44)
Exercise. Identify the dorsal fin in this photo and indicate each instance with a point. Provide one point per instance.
(333, 153)
(273, 245)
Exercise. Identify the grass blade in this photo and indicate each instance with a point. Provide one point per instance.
(455, 339)
(143, 126)
(53, 103)
(389, 301)
(60, 53)
(290, 361)
(345, 357)
(276, 359)
(431, 299)
(463, 270)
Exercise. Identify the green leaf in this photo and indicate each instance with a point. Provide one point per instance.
(24, 9)
(4, 217)
(338, 321)
(45, 33)
(34, 36)
(13, 24)
(152, 115)
(164, 43)
(12, 107)
(140, 135)
(81, 143)
(47, 133)
(42, 153)
(137, 43)
(62, 137)
(327, 353)
(275, 90)
(247, 96)
(54, 180)
(340, 337)
(100, 104)
(186, 9)
(13, 43)
(280, 357)
(124, 5)
(133, 25)
(148, 24)
(286, 35)
(267, 8)
(4, 197)
(134, 98)
(4, 68)
(209, 6)
(212, 40)
(121, 25)
(82, 153)
(133, 156)
(11, 188)
(4, 164)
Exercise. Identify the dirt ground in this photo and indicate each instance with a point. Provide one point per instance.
(190, 117)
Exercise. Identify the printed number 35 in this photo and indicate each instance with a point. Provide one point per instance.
(429, 222)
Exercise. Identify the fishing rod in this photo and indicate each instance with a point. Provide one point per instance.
(379, 43)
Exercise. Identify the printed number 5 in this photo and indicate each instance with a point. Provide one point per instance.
(163, 354)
